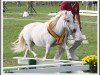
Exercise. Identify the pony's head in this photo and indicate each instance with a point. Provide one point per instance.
(68, 21)
(64, 19)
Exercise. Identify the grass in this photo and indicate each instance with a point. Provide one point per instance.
(12, 28)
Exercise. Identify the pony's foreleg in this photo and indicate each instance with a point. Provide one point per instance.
(47, 50)
(59, 53)
(67, 50)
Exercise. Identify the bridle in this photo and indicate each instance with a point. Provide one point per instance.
(69, 31)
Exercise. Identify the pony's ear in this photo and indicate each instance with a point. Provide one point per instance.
(70, 12)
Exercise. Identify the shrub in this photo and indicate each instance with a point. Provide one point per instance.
(91, 60)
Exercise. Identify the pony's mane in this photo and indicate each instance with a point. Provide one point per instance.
(54, 19)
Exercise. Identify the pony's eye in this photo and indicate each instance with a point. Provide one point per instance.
(68, 21)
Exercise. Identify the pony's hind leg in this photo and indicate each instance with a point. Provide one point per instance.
(29, 48)
(32, 51)
(26, 52)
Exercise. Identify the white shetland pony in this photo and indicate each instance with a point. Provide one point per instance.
(37, 33)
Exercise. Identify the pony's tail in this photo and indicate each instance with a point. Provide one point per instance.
(19, 45)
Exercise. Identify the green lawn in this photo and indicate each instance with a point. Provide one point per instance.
(12, 28)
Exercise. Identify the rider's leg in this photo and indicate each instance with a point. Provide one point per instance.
(78, 39)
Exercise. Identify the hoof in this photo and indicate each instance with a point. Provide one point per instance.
(35, 57)
(74, 58)
(44, 58)
(25, 56)
(70, 59)
(56, 60)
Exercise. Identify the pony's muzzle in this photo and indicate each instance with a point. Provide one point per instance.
(74, 30)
